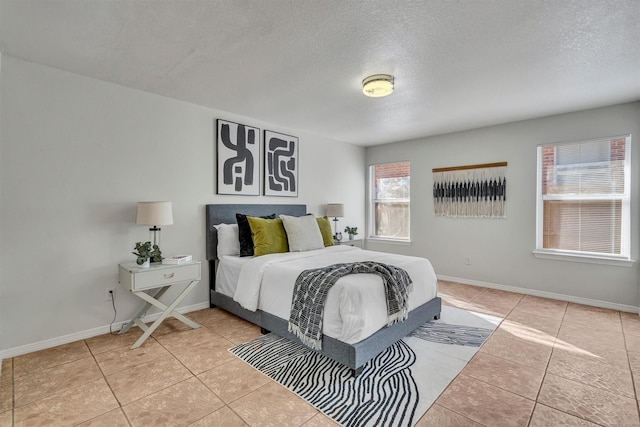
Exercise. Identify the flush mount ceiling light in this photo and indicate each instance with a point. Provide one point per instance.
(377, 85)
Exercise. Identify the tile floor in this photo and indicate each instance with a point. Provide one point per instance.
(549, 363)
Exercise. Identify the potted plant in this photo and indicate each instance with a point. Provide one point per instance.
(351, 231)
(147, 253)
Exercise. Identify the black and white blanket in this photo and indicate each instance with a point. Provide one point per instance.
(312, 286)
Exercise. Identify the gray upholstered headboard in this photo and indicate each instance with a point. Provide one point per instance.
(226, 214)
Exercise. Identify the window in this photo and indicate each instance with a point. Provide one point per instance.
(583, 198)
(390, 200)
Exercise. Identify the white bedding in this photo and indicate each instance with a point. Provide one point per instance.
(227, 273)
(355, 306)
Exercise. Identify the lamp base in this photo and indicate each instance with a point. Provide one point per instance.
(157, 254)
(155, 232)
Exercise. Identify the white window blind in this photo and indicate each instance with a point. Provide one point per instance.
(583, 197)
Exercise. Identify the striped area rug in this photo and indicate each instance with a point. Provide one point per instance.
(395, 388)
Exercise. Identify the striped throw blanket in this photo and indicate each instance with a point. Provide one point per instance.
(312, 286)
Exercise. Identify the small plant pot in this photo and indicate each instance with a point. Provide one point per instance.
(351, 236)
(146, 264)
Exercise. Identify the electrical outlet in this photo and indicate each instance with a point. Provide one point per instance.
(110, 292)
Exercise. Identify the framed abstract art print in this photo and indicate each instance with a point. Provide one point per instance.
(280, 164)
(238, 153)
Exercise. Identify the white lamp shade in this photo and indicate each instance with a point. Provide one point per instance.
(335, 209)
(154, 213)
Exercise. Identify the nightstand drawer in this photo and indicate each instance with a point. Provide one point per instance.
(137, 279)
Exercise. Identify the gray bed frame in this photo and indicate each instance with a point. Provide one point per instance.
(353, 356)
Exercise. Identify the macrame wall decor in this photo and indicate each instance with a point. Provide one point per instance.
(471, 191)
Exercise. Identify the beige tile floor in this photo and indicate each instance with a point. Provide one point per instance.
(549, 363)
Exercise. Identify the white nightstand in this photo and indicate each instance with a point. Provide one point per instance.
(149, 284)
(355, 242)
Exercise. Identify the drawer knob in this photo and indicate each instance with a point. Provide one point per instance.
(168, 275)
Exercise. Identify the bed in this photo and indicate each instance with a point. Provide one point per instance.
(353, 348)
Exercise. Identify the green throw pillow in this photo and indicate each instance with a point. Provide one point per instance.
(269, 236)
(325, 230)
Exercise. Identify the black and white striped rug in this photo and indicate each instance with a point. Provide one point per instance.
(395, 388)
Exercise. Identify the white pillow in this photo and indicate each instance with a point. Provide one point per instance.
(228, 239)
(303, 233)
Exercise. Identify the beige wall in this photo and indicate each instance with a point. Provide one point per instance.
(77, 154)
(500, 250)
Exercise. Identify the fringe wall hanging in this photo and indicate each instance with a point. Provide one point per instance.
(471, 191)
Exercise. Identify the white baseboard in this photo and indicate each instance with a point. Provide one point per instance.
(543, 294)
(53, 342)
(81, 335)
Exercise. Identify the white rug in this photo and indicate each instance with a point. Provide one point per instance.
(395, 388)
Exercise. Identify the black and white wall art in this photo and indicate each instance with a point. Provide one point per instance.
(471, 191)
(280, 164)
(238, 153)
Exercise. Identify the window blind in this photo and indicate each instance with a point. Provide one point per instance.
(585, 196)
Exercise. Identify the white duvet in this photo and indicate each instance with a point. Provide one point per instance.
(355, 306)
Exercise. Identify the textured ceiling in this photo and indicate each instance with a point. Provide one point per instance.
(299, 64)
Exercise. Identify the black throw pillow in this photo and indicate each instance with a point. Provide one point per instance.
(244, 233)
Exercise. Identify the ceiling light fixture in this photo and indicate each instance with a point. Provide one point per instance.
(378, 85)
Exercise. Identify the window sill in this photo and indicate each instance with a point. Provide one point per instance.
(389, 240)
(583, 258)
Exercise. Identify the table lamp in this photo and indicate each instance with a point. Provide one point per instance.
(335, 210)
(155, 214)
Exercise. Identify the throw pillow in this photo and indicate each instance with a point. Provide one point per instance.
(244, 233)
(325, 229)
(303, 233)
(228, 242)
(269, 236)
